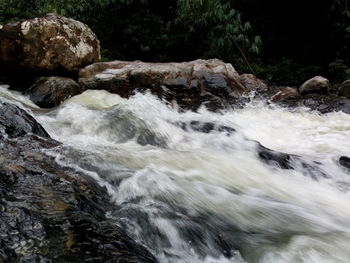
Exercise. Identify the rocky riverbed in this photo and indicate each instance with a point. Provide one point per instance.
(127, 161)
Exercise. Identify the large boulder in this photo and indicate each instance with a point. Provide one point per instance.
(51, 43)
(189, 82)
(315, 85)
(48, 92)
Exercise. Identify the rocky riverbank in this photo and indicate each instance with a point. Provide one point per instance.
(50, 212)
(69, 48)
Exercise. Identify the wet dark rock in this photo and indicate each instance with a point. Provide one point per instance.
(345, 162)
(314, 95)
(198, 229)
(344, 89)
(15, 122)
(325, 104)
(315, 85)
(48, 92)
(205, 127)
(290, 98)
(271, 157)
(283, 160)
(48, 212)
(318, 102)
(290, 161)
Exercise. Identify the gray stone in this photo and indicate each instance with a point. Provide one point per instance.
(315, 85)
(48, 92)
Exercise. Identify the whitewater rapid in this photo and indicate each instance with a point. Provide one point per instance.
(191, 196)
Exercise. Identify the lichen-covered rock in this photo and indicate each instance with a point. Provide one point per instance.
(344, 89)
(315, 85)
(51, 43)
(48, 92)
(252, 83)
(189, 82)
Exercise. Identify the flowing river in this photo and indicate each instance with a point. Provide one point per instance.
(194, 196)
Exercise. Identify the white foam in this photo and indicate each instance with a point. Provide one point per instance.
(220, 175)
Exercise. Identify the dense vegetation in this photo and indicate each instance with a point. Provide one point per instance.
(278, 40)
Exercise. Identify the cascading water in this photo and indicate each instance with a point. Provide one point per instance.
(192, 195)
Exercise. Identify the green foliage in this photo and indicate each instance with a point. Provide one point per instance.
(338, 70)
(232, 30)
(219, 29)
(340, 23)
(150, 30)
(12, 10)
(127, 29)
(288, 71)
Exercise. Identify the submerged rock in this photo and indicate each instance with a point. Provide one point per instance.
(188, 83)
(290, 161)
(270, 157)
(48, 92)
(51, 213)
(51, 43)
(345, 162)
(205, 127)
(318, 85)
